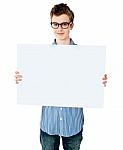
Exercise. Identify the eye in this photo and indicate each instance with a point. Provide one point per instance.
(65, 23)
(54, 23)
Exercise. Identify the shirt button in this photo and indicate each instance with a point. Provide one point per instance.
(60, 118)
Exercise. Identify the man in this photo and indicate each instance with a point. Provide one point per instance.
(60, 121)
(64, 122)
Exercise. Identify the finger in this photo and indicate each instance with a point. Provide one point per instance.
(18, 76)
(104, 83)
(18, 79)
(16, 72)
(17, 82)
(105, 77)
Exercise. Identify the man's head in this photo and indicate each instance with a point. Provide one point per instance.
(62, 18)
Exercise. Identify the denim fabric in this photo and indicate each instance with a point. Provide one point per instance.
(52, 142)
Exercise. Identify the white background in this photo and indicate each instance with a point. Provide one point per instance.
(97, 22)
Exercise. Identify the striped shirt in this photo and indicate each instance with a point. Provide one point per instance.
(62, 121)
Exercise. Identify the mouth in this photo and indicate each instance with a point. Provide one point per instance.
(60, 33)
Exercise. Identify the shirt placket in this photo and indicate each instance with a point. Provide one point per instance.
(61, 120)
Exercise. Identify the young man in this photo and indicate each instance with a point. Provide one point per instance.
(62, 122)
(65, 122)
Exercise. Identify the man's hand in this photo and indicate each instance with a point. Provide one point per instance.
(18, 77)
(104, 80)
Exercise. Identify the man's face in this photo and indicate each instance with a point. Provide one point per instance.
(62, 32)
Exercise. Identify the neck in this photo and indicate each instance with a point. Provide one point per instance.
(63, 42)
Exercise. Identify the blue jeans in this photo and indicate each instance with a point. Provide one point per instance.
(52, 142)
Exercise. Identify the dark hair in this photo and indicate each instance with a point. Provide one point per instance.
(60, 9)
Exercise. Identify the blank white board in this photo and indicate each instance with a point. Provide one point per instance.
(61, 75)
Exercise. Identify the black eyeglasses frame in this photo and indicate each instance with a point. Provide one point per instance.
(60, 24)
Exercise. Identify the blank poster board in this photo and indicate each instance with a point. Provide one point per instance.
(61, 75)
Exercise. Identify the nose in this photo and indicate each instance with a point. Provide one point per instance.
(60, 27)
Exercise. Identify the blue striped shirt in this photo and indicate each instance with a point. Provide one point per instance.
(62, 121)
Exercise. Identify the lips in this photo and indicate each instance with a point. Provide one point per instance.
(60, 33)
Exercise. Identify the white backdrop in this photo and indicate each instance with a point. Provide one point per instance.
(97, 22)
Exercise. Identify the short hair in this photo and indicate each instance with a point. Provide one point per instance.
(60, 9)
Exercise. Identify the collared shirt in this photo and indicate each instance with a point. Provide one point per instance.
(62, 121)
(71, 42)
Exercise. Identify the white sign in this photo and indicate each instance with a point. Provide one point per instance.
(61, 75)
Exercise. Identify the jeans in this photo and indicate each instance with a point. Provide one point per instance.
(52, 142)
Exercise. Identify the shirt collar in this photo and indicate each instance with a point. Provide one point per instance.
(71, 42)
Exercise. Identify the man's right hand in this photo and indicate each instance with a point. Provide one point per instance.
(18, 77)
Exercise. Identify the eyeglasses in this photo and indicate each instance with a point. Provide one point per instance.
(64, 25)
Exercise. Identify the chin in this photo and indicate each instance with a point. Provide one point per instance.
(61, 37)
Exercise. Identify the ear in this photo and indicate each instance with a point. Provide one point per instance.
(71, 26)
